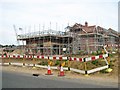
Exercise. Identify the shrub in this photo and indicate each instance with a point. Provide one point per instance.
(103, 71)
(111, 55)
(81, 52)
(94, 53)
(95, 62)
(44, 63)
(99, 52)
(111, 64)
(57, 62)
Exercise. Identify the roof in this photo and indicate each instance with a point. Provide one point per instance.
(102, 30)
(92, 29)
(111, 31)
(88, 29)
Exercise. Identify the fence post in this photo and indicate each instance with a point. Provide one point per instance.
(9, 60)
(23, 61)
(33, 62)
(68, 63)
(85, 65)
(108, 59)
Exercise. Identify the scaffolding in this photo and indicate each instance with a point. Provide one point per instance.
(92, 41)
(47, 42)
(72, 41)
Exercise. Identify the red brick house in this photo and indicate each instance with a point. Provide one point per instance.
(92, 38)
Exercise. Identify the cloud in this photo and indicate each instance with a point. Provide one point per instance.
(34, 12)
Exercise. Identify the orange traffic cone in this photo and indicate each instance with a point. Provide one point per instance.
(48, 71)
(61, 71)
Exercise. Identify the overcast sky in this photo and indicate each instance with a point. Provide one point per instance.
(26, 13)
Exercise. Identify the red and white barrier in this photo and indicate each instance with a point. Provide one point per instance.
(96, 57)
(58, 58)
(4, 56)
(28, 56)
(76, 59)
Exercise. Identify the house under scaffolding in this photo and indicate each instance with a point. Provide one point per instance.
(92, 38)
(47, 42)
(76, 38)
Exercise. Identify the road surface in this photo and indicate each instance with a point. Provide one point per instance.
(20, 80)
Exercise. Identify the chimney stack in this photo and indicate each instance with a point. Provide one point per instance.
(86, 24)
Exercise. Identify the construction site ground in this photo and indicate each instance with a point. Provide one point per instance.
(105, 77)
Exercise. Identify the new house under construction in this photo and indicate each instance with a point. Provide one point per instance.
(47, 42)
(74, 39)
